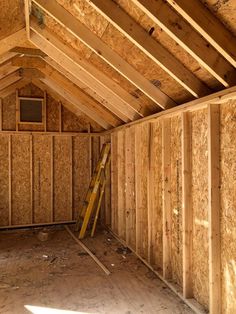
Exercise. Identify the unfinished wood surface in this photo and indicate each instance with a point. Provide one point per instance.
(155, 186)
(166, 200)
(80, 172)
(61, 178)
(121, 185)
(200, 207)
(4, 180)
(141, 188)
(130, 204)
(52, 121)
(10, 179)
(176, 200)
(214, 208)
(42, 178)
(9, 113)
(114, 183)
(21, 203)
(228, 203)
(187, 215)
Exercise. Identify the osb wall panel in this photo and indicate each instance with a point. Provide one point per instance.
(42, 211)
(176, 200)
(52, 116)
(156, 249)
(4, 179)
(121, 184)
(80, 171)
(228, 205)
(62, 156)
(142, 167)
(130, 202)
(200, 206)
(21, 199)
(9, 113)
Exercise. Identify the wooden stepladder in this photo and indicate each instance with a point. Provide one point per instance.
(95, 191)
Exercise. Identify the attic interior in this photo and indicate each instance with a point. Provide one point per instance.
(117, 156)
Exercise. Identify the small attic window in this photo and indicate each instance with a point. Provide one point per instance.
(31, 110)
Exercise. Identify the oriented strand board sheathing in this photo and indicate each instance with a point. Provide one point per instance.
(52, 111)
(200, 206)
(30, 90)
(21, 201)
(41, 179)
(4, 180)
(228, 205)
(62, 178)
(121, 184)
(114, 183)
(155, 211)
(130, 205)
(11, 17)
(80, 171)
(141, 179)
(30, 127)
(176, 200)
(9, 113)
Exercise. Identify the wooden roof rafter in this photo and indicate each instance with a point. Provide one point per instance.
(12, 41)
(77, 29)
(155, 51)
(11, 88)
(208, 26)
(189, 39)
(68, 59)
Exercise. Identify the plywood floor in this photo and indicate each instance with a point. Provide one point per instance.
(57, 275)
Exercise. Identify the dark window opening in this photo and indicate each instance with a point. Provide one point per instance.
(31, 110)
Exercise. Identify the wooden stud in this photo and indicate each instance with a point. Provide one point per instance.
(44, 110)
(60, 117)
(27, 15)
(52, 178)
(17, 110)
(10, 178)
(31, 179)
(166, 202)
(71, 177)
(150, 191)
(1, 104)
(214, 208)
(187, 214)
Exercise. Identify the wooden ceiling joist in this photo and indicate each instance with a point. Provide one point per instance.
(83, 107)
(7, 56)
(89, 75)
(12, 41)
(208, 26)
(76, 28)
(70, 106)
(28, 62)
(10, 79)
(31, 73)
(90, 107)
(181, 31)
(155, 51)
(110, 106)
(7, 69)
(28, 51)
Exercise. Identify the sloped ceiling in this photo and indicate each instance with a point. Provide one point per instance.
(118, 61)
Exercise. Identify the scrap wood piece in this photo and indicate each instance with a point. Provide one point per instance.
(107, 272)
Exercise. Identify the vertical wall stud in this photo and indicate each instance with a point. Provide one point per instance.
(10, 178)
(71, 179)
(214, 208)
(60, 117)
(166, 201)
(31, 179)
(52, 178)
(45, 110)
(0, 114)
(187, 214)
(17, 110)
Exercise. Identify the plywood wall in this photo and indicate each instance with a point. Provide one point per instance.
(43, 177)
(147, 201)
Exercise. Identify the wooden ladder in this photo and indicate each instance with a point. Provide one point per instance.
(96, 188)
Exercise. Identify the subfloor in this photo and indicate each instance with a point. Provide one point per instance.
(48, 277)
